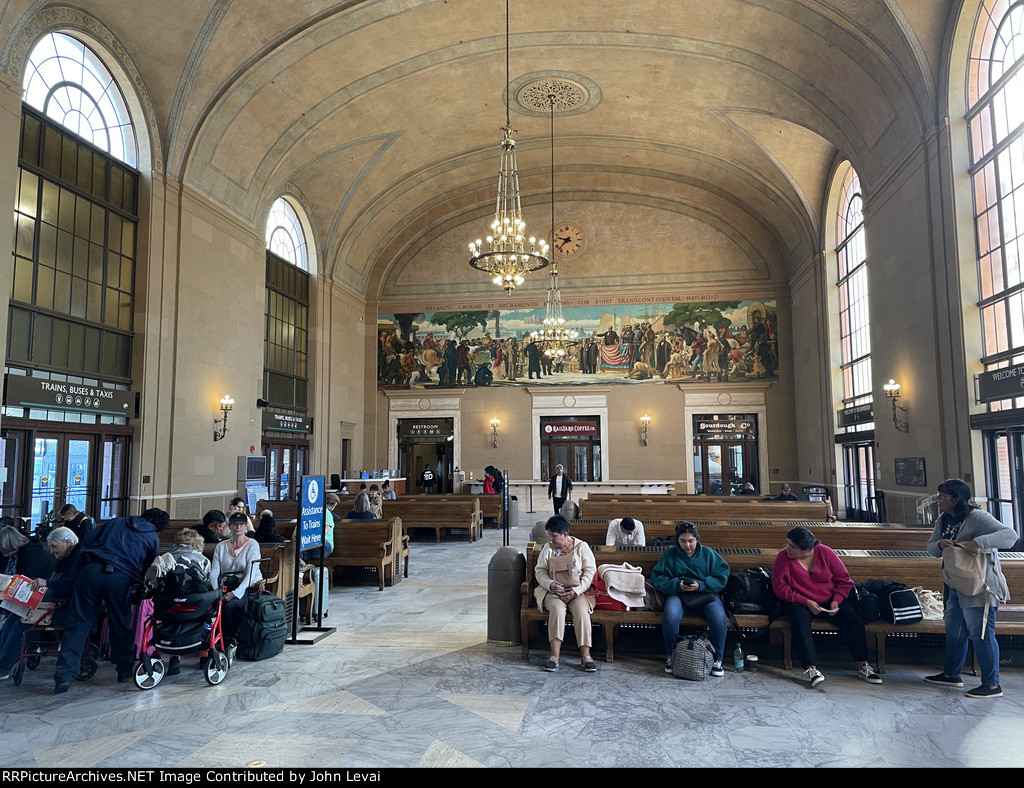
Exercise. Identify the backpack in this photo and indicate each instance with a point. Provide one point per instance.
(264, 627)
(750, 591)
(897, 604)
(865, 602)
(692, 657)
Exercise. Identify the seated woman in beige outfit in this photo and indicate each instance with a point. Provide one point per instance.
(565, 570)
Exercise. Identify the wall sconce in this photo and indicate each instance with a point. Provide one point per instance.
(892, 391)
(220, 426)
(495, 423)
(645, 422)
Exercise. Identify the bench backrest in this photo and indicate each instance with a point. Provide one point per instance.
(666, 508)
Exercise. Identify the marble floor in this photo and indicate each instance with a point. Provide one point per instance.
(409, 680)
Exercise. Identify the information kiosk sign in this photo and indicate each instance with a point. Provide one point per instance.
(311, 512)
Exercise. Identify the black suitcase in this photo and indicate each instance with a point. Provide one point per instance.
(264, 627)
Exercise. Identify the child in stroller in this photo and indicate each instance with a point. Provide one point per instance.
(186, 615)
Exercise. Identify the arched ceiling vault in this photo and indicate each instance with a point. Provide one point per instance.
(701, 136)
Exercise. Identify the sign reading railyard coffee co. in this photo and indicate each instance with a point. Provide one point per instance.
(21, 391)
(1000, 384)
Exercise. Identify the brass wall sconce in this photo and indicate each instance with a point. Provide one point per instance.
(495, 423)
(645, 422)
(220, 426)
(892, 391)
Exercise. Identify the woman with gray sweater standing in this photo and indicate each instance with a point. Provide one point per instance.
(962, 525)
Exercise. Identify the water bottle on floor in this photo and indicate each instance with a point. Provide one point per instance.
(737, 659)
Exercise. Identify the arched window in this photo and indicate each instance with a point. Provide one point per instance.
(285, 236)
(995, 118)
(286, 362)
(68, 83)
(852, 283)
(852, 329)
(995, 123)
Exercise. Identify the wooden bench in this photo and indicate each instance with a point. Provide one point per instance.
(661, 507)
(376, 543)
(608, 620)
(913, 568)
(490, 505)
(741, 533)
(430, 513)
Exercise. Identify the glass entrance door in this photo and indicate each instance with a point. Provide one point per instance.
(1005, 467)
(286, 462)
(859, 480)
(61, 473)
(721, 467)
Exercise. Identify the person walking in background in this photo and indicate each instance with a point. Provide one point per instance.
(559, 488)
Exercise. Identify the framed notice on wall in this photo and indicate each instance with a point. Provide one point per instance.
(910, 472)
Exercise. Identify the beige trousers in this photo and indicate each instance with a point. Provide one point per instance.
(580, 609)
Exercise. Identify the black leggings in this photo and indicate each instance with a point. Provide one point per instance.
(847, 620)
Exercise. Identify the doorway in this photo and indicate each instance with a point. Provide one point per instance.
(1004, 462)
(725, 454)
(286, 463)
(426, 443)
(45, 469)
(859, 481)
(574, 442)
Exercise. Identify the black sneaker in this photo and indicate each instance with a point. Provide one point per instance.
(61, 686)
(551, 665)
(589, 666)
(174, 668)
(668, 666)
(945, 681)
(985, 691)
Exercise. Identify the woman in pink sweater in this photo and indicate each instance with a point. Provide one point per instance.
(810, 580)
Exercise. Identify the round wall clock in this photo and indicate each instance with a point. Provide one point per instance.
(569, 239)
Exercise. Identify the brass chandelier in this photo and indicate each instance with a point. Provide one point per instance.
(504, 254)
(554, 339)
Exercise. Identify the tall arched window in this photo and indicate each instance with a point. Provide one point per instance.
(286, 363)
(995, 121)
(71, 308)
(855, 419)
(68, 83)
(285, 236)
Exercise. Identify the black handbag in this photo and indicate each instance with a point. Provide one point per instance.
(692, 599)
(865, 603)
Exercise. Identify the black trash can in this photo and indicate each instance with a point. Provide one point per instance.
(505, 575)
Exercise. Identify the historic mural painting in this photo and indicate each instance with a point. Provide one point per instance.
(653, 342)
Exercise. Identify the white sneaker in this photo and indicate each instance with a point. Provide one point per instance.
(5, 676)
(716, 670)
(866, 673)
(814, 676)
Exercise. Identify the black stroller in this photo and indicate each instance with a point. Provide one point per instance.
(182, 623)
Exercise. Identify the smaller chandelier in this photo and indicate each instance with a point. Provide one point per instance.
(555, 339)
(505, 254)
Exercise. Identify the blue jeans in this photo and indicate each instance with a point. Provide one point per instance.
(11, 633)
(713, 612)
(963, 624)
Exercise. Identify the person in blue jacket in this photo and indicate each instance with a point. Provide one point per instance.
(691, 576)
(115, 558)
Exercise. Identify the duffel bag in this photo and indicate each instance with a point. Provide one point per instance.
(264, 627)
(897, 604)
(692, 657)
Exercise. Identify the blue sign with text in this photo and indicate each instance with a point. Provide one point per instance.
(311, 512)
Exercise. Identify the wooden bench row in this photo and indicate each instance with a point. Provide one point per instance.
(913, 568)
(660, 507)
(430, 513)
(766, 533)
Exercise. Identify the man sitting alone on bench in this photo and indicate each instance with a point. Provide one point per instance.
(625, 532)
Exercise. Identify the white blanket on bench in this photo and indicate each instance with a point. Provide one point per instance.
(625, 584)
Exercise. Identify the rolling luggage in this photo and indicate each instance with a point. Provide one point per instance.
(321, 588)
(264, 627)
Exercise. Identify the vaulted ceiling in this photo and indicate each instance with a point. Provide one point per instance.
(693, 138)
